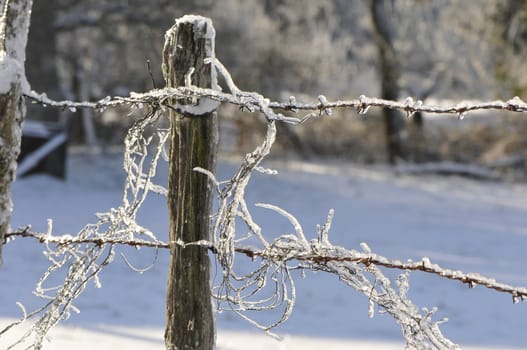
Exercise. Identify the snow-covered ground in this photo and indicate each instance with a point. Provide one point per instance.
(458, 223)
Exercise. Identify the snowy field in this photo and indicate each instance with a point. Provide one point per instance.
(458, 223)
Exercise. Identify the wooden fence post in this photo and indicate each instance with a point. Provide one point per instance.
(190, 322)
(14, 26)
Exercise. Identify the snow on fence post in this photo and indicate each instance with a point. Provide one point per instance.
(190, 323)
(14, 26)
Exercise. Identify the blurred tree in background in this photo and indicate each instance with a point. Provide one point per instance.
(510, 39)
(89, 49)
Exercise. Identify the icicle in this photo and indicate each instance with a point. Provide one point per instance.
(371, 309)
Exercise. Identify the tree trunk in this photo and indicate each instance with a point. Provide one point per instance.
(190, 323)
(14, 26)
(389, 70)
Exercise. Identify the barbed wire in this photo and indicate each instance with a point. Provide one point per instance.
(250, 101)
(313, 256)
(93, 247)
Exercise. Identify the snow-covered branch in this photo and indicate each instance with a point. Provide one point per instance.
(14, 27)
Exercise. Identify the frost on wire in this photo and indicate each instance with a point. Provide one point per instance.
(270, 285)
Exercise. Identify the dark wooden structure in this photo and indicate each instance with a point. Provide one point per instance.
(190, 322)
(43, 149)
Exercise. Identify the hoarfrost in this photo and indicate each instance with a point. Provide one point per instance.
(371, 309)
(11, 72)
(83, 262)
(13, 53)
(248, 292)
(270, 285)
(403, 284)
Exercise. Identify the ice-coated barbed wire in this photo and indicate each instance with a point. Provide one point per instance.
(423, 265)
(249, 292)
(270, 284)
(252, 102)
